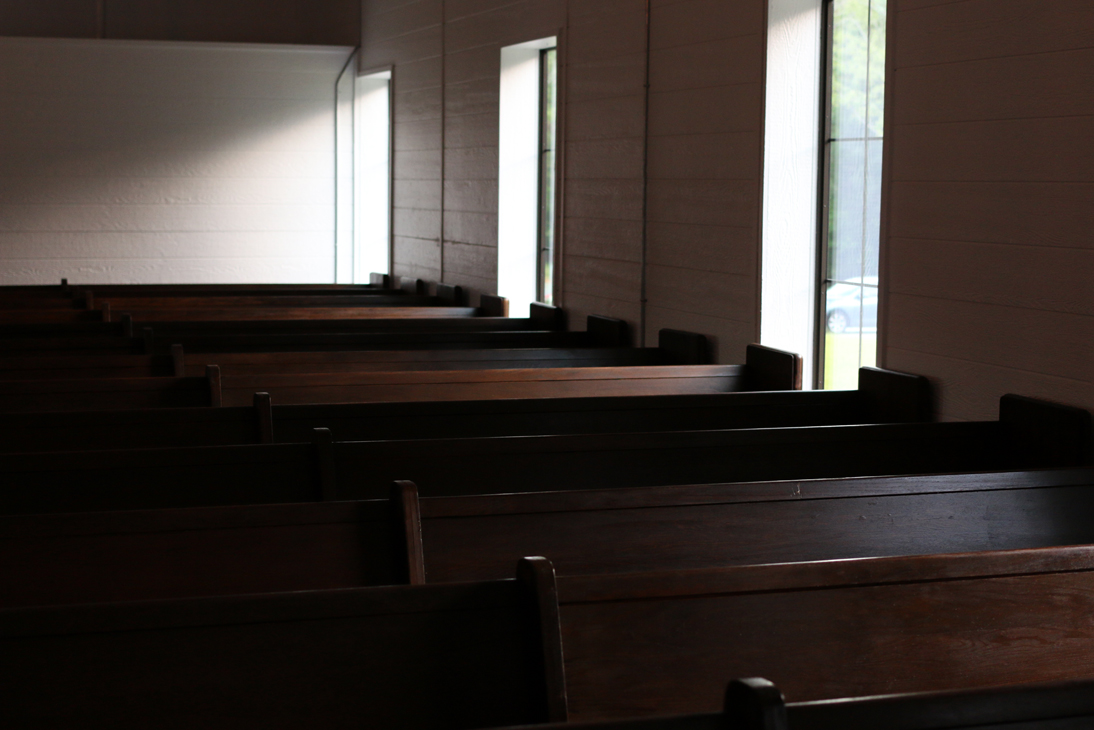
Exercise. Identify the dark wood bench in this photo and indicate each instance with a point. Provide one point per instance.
(1030, 434)
(154, 554)
(674, 347)
(706, 526)
(449, 385)
(883, 397)
(103, 557)
(542, 318)
(90, 365)
(653, 643)
(362, 387)
(38, 396)
(413, 657)
(756, 704)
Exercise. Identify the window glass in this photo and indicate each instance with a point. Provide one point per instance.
(548, 134)
(853, 188)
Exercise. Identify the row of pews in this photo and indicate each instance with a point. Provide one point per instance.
(411, 517)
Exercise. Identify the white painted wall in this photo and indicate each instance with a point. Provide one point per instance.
(791, 160)
(166, 162)
(518, 174)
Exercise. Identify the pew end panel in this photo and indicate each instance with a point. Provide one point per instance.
(451, 295)
(771, 369)
(683, 348)
(608, 331)
(382, 281)
(492, 305)
(1042, 433)
(417, 287)
(894, 397)
(547, 317)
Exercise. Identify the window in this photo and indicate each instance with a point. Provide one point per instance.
(851, 223)
(372, 178)
(363, 175)
(548, 138)
(526, 174)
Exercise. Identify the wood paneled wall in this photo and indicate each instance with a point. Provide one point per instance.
(330, 22)
(702, 139)
(988, 251)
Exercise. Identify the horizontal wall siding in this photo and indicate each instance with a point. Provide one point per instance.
(155, 162)
(705, 169)
(988, 253)
(408, 36)
(706, 120)
(330, 22)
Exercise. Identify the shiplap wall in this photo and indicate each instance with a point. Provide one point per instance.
(988, 250)
(705, 139)
(166, 162)
(325, 22)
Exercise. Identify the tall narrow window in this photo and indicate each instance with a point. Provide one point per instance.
(548, 138)
(372, 176)
(852, 180)
(526, 174)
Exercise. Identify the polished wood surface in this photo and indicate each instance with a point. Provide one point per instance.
(649, 643)
(455, 656)
(263, 423)
(209, 476)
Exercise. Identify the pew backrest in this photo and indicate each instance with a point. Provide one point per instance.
(454, 656)
(661, 643)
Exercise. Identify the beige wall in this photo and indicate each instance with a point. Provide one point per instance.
(309, 22)
(988, 250)
(704, 145)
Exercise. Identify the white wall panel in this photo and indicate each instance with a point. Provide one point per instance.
(166, 162)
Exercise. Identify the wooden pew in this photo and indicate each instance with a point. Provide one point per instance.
(708, 526)
(767, 369)
(122, 303)
(416, 657)
(277, 314)
(363, 387)
(1030, 434)
(38, 396)
(674, 348)
(756, 704)
(104, 557)
(449, 385)
(883, 397)
(677, 348)
(141, 555)
(91, 365)
(542, 318)
(652, 643)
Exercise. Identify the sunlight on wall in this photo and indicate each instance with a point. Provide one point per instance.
(791, 158)
(157, 162)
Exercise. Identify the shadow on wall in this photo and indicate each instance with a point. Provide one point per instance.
(166, 162)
